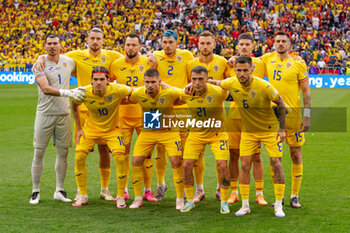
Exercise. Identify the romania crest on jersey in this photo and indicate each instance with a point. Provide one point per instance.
(288, 64)
(254, 67)
(179, 58)
(141, 68)
(252, 94)
(103, 59)
(161, 100)
(216, 68)
(209, 99)
(110, 98)
(64, 65)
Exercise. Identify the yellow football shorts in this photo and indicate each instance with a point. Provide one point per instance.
(250, 142)
(127, 125)
(82, 115)
(147, 140)
(196, 145)
(113, 139)
(234, 128)
(295, 139)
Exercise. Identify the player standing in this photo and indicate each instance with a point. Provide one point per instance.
(53, 116)
(172, 64)
(289, 76)
(129, 71)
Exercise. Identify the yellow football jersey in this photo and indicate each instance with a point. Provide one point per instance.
(130, 75)
(173, 69)
(286, 76)
(254, 104)
(259, 71)
(217, 68)
(85, 62)
(103, 111)
(207, 108)
(163, 101)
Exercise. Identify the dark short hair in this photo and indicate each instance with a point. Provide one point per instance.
(52, 36)
(133, 35)
(100, 69)
(151, 73)
(246, 36)
(97, 30)
(282, 33)
(244, 59)
(199, 69)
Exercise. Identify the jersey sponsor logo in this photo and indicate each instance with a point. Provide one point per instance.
(162, 59)
(210, 99)
(179, 58)
(235, 90)
(151, 119)
(252, 94)
(122, 69)
(143, 101)
(85, 59)
(103, 59)
(216, 68)
(141, 68)
(50, 68)
(273, 61)
(288, 64)
(92, 102)
(110, 98)
(161, 100)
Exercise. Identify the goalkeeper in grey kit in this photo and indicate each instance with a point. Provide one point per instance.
(53, 116)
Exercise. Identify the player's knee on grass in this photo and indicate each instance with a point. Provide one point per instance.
(175, 161)
(104, 156)
(127, 148)
(234, 155)
(295, 153)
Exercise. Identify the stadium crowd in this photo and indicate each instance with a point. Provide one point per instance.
(320, 30)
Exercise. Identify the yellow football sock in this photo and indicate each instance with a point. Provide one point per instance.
(259, 185)
(244, 189)
(105, 174)
(199, 170)
(297, 175)
(234, 185)
(137, 178)
(148, 172)
(189, 191)
(272, 173)
(178, 181)
(279, 191)
(217, 174)
(225, 193)
(80, 172)
(127, 168)
(120, 173)
(161, 163)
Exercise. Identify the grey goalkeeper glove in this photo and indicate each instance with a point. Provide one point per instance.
(76, 93)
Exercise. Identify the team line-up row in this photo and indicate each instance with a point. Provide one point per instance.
(106, 114)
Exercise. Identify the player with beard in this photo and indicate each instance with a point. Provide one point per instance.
(172, 64)
(234, 127)
(129, 70)
(218, 69)
(289, 76)
(85, 61)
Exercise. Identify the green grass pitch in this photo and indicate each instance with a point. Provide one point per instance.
(325, 192)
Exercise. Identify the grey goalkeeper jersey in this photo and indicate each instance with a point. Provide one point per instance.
(58, 76)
